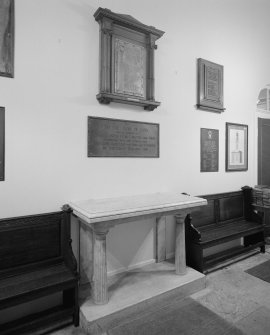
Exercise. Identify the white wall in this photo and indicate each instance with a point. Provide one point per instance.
(53, 92)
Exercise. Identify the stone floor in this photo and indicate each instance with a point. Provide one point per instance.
(231, 293)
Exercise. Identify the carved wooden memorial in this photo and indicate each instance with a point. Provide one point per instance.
(126, 60)
(210, 86)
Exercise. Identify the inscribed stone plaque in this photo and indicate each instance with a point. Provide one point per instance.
(209, 150)
(130, 68)
(122, 138)
(212, 87)
(2, 143)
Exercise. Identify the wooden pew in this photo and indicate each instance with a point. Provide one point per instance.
(227, 217)
(37, 261)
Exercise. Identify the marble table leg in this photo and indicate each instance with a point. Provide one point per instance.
(160, 239)
(180, 244)
(99, 283)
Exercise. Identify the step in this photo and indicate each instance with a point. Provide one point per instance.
(134, 292)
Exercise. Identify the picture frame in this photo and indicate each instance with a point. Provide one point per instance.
(210, 86)
(7, 38)
(126, 65)
(2, 143)
(236, 147)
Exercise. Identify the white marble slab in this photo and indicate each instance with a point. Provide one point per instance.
(100, 210)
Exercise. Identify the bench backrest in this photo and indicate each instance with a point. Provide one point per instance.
(220, 208)
(32, 240)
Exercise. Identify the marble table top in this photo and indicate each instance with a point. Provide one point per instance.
(110, 209)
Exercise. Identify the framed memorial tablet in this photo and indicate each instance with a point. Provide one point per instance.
(210, 86)
(2, 143)
(122, 138)
(7, 38)
(209, 150)
(236, 147)
(126, 60)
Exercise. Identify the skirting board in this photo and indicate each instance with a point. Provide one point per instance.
(170, 255)
(131, 267)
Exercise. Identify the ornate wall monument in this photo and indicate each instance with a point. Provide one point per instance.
(126, 60)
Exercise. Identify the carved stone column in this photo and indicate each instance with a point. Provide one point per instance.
(99, 283)
(86, 254)
(180, 244)
(151, 76)
(160, 239)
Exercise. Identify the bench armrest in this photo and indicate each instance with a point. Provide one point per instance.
(191, 232)
(257, 216)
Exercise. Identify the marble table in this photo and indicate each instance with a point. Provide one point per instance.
(99, 215)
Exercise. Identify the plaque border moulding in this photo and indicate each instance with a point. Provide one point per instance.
(116, 29)
(209, 86)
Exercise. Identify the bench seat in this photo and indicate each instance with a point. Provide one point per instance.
(215, 234)
(35, 284)
(227, 217)
(39, 323)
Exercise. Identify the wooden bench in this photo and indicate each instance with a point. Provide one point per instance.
(37, 261)
(227, 217)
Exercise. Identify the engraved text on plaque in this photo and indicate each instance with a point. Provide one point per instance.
(121, 138)
(209, 150)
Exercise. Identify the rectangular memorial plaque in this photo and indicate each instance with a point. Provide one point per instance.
(122, 138)
(209, 150)
(130, 68)
(210, 86)
(2, 143)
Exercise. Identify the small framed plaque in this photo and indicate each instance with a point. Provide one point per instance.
(210, 86)
(122, 138)
(7, 38)
(236, 147)
(2, 143)
(209, 150)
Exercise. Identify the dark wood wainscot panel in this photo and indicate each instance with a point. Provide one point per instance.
(126, 60)
(121, 138)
